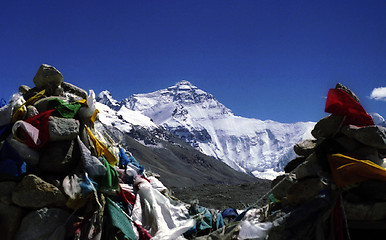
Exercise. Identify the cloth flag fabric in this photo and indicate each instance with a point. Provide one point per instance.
(341, 103)
(347, 170)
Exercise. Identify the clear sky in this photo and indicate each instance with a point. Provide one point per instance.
(262, 59)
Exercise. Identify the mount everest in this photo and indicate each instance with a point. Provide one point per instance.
(260, 148)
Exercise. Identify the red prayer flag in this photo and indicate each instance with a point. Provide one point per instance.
(341, 103)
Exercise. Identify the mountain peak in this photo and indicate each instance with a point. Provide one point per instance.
(183, 86)
(184, 82)
(106, 98)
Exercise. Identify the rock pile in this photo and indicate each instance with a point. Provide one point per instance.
(63, 177)
(336, 188)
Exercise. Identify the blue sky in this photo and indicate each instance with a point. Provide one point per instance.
(262, 59)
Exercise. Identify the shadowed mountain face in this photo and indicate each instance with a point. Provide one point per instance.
(177, 163)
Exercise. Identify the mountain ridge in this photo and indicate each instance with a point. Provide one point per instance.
(249, 145)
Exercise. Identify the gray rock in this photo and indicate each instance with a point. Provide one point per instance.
(59, 157)
(281, 184)
(347, 90)
(10, 218)
(371, 191)
(309, 168)
(305, 147)
(63, 129)
(48, 77)
(366, 211)
(31, 111)
(24, 89)
(33, 192)
(68, 87)
(373, 136)
(349, 144)
(30, 156)
(45, 104)
(327, 127)
(368, 153)
(293, 164)
(6, 189)
(304, 190)
(45, 223)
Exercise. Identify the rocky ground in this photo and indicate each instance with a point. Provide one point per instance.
(221, 196)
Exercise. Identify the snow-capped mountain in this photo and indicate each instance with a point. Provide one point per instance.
(254, 146)
(378, 119)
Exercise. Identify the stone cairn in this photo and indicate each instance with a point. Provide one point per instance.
(336, 188)
(44, 193)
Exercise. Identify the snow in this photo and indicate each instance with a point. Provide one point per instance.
(269, 174)
(248, 145)
(123, 119)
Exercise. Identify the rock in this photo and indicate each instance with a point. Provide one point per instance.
(7, 111)
(347, 90)
(348, 144)
(45, 223)
(30, 93)
(305, 147)
(33, 192)
(30, 156)
(48, 78)
(366, 211)
(24, 89)
(59, 157)
(45, 104)
(309, 168)
(373, 136)
(368, 153)
(31, 111)
(10, 218)
(63, 129)
(291, 165)
(281, 184)
(68, 87)
(327, 127)
(304, 190)
(370, 191)
(6, 189)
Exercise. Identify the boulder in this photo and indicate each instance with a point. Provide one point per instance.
(48, 77)
(30, 93)
(309, 168)
(45, 223)
(10, 218)
(33, 192)
(305, 147)
(29, 155)
(373, 136)
(7, 111)
(68, 87)
(365, 211)
(63, 129)
(327, 127)
(45, 104)
(347, 90)
(281, 184)
(6, 189)
(31, 111)
(293, 164)
(368, 153)
(59, 157)
(23, 89)
(370, 191)
(348, 144)
(304, 190)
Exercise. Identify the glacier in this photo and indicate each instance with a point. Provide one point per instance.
(257, 147)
